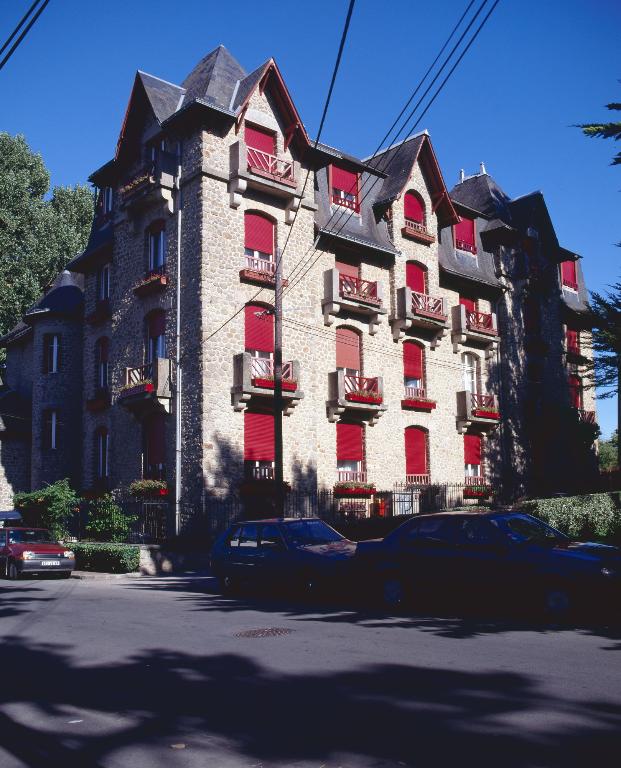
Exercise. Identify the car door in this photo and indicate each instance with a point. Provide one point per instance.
(246, 555)
(482, 559)
(274, 561)
(426, 553)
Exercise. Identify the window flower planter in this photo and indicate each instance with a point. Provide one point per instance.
(477, 492)
(481, 413)
(137, 389)
(151, 284)
(288, 385)
(364, 397)
(148, 488)
(354, 489)
(418, 404)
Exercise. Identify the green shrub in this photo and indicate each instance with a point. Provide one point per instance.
(107, 521)
(51, 507)
(596, 515)
(107, 558)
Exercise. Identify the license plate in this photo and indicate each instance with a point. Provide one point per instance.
(50, 562)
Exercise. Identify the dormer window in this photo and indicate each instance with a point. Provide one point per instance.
(260, 140)
(344, 188)
(568, 275)
(465, 236)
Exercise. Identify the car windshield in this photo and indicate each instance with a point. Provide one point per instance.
(526, 528)
(30, 536)
(305, 533)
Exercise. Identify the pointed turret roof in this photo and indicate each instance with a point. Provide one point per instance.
(214, 78)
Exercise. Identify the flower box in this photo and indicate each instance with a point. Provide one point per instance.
(481, 413)
(142, 387)
(364, 397)
(151, 284)
(477, 492)
(354, 489)
(148, 488)
(260, 277)
(418, 404)
(288, 385)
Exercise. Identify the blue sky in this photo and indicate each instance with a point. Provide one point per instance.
(538, 67)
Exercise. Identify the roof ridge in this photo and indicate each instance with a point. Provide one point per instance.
(161, 79)
(424, 132)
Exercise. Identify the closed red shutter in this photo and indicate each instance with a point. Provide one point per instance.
(472, 449)
(258, 436)
(568, 273)
(464, 231)
(470, 304)
(415, 451)
(347, 349)
(157, 323)
(347, 181)
(575, 391)
(349, 270)
(264, 141)
(349, 442)
(413, 207)
(412, 360)
(572, 340)
(415, 277)
(156, 434)
(259, 233)
(259, 328)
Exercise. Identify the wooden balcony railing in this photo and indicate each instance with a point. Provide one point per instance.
(264, 266)
(345, 202)
(481, 402)
(261, 473)
(569, 283)
(424, 304)
(270, 165)
(587, 417)
(360, 384)
(474, 480)
(417, 480)
(415, 393)
(345, 476)
(358, 290)
(416, 226)
(135, 376)
(263, 368)
(462, 245)
(480, 321)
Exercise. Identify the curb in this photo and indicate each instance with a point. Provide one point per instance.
(97, 576)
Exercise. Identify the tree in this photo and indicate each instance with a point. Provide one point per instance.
(38, 235)
(605, 131)
(608, 452)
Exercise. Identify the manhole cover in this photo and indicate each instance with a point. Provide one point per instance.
(266, 632)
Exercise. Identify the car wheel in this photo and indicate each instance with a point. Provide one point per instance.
(393, 592)
(557, 601)
(228, 585)
(12, 571)
(64, 575)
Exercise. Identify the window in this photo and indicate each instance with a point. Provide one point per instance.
(416, 447)
(106, 195)
(157, 249)
(568, 275)
(572, 341)
(103, 282)
(575, 391)
(416, 277)
(156, 335)
(350, 451)
(472, 455)
(51, 430)
(465, 238)
(155, 447)
(470, 371)
(261, 140)
(413, 367)
(344, 188)
(259, 338)
(51, 353)
(259, 451)
(101, 363)
(259, 241)
(249, 536)
(348, 351)
(102, 444)
(469, 303)
(414, 208)
(271, 538)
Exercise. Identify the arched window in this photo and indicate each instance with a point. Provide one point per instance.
(350, 452)
(575, 391)
(472, 455)
(156, 244)
(416, 455)
(51, 437)
(156, 335)
(465, 236)
(259, 242)
(155, 447)
(413, 369)
(414, 208)
(102, 347)
(103, 282)
(471, 372)
(259, 450)
(259, 338)
(416, 277)
(348, 357)
(102, 449)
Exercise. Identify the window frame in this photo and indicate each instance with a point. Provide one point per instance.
(51, 353)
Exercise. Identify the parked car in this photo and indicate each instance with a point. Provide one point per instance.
(33, 551)
(303, 553)
(10, 517)
(509, 558)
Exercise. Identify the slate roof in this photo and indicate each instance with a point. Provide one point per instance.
(214, 78)
(397, 163)
(65, 297)
(100, 237)
(481, 193)
(246, 85)
(165, 98)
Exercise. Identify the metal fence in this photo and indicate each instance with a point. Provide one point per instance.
(152, 523)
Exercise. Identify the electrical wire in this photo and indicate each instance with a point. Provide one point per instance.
(19, 26)
(24, 33)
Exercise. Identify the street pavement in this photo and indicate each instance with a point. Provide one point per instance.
(156, 672)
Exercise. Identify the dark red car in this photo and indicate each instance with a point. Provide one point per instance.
(33, 551)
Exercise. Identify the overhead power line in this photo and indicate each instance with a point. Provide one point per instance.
(19, 26)
(25, 31)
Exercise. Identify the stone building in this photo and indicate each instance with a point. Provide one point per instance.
(428, 336)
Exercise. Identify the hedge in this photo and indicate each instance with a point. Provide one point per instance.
(596, 515)
(107, 558)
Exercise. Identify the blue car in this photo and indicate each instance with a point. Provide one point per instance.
(303, 553)
(510, 559)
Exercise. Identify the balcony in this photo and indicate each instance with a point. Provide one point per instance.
(415, 399)
(147, 387)
(342, 293)
(476, 487)
(154, 281)
(151, 185)
(356, 395)
(474, 408)
(351, 204)
(251, 168)
(462, 245)
(586, 417)
(417, 480)
(415, 230)
(478, 329)
(352, 484)
(100, 314)
(421, 311)
(253, 379)
(260, 272)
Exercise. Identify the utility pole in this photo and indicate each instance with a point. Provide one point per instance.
(178, 371)
(278, 459)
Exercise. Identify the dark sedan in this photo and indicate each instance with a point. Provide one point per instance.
(509, 558)
(302, 553)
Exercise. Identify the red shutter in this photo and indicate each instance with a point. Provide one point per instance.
(415, 277)
(472, 449)
(347, 349)
(412, 360)
(349, 270)
(259, 233)
(470, 304)
(572, 340)
(264, 141)
(575, 391)
(568, 273)
(415, 451)
(258, 436)
(156, 434)
(464, 230)
(413, 207)
(347, 181)
(259, 328)
(157, 324)
(349, 442)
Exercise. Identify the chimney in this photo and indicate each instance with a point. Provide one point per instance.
(462, 176)
(483, 171)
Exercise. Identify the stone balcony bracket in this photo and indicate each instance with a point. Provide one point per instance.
(464, 336)
(148, 388)
(333, 302)
(467, 416)
(244, 390)
(337, 403)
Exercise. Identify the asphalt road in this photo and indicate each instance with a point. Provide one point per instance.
(153, 672)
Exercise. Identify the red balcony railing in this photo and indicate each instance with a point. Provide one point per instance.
(359, 385)
(416, 226)
(485, 406)
(462, 245)
(357, 289)
(415, 393)
(474, 480)
(270, 165)
(263, 368)
(424, 304)
(588, 417)
(264, 266)
(417, 479)
(569, 283)
(345, 202)
(344, 476)
(480, 321)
